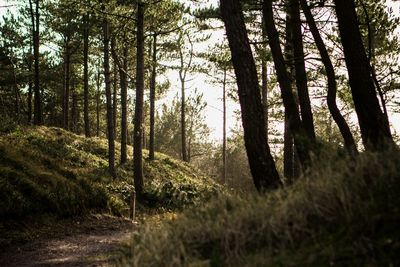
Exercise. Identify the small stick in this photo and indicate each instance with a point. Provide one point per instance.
(133, 206)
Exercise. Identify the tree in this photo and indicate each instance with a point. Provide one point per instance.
(262, 165)
(300, 69)
(301, 141)
(375, 130)
(37, 118)
(110, 119)
(137, 135)
(86, 74)
(331, 79)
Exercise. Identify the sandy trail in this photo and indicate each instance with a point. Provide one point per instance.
(91, 241)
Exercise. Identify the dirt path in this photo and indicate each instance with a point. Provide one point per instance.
(90, 241)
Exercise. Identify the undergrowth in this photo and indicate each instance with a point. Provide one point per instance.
(344, 212)
(52, 171)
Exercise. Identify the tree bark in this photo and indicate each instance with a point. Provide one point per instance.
(37, 116)
(375, 130)
(110, 118)
(137, 137)
(153, 96)
(344, 128)
(98, 104)
(300, 137)
(288, 144)
(86, 75)
(124, 95)
(115, 93)
(66, 85)
(30, 84)
(262, 165)
(74, 110)
(300, 70)
(264, 82)
(224, 129)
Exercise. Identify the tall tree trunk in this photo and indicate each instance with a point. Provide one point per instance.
(288, 144)
(110, 120)
(261, 162)
(98, 104)
(264, 94)
(37, 116)
(288, 152)
(153, 96)
(115, 101)
(300, 137)
(183, 122)
(124, 95)
(30, 84)
(67, 79)
(74, 110)
(375, 130)
(137, 137)
(30, 87)
(86, 75)
(300, 70)
(332, 85)
(224, 129)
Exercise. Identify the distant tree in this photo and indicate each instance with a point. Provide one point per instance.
(38, 117)
(86, 28)
(110, 120)
(138, 128)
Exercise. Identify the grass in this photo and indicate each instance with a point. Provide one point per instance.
(51, 171)
(344, 212)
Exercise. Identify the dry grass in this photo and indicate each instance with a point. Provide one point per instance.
(343, 213)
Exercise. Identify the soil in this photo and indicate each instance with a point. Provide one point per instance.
(88, 241)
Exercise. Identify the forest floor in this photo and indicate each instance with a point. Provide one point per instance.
(88, 241)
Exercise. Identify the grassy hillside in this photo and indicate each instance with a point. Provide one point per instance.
(345, 212)
(52, 171)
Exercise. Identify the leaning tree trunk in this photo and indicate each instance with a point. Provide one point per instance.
(153, 96)
(300, 70)
(375, 130)
(138, 129)
(301, 141)
(109, 111)
(332, 85)
(261, 163)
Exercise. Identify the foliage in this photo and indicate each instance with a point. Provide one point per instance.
(344, 212)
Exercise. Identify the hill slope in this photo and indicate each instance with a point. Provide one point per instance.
(345, 212)
(52, 171)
